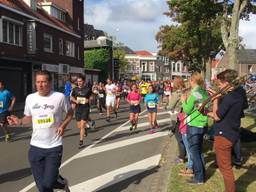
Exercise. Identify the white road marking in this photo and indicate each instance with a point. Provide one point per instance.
(119, 144)
(117, 175)
(33, 184)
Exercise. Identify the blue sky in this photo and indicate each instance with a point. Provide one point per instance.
(135, 22)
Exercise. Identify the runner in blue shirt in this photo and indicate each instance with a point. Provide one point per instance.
(7, 101)
(151, 100)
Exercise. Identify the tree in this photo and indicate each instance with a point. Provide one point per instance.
(119, 55)
(195, 35)
(232, 12)
(97, 59)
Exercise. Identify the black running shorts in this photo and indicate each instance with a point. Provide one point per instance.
(3, 117)
(82, 114)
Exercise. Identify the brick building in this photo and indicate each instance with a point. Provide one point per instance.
(40, 34)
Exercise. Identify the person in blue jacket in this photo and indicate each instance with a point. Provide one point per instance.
(7, 101)
(151, 101)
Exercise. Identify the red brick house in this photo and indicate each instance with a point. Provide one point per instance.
(40, 34)
(246, 62)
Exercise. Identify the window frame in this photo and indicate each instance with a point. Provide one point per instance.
(72, 53)
(48, 50)
(61, 46)
(16, 25)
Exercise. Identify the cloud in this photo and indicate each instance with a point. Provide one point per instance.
(247, 30)
(133, 22)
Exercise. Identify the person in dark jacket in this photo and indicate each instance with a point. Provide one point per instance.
(227, 112)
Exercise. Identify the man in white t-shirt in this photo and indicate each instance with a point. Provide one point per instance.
(110, 98)
(44, 109)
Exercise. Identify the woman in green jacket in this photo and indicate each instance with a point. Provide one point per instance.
(197, 122)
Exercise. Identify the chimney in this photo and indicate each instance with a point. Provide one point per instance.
(31, 3)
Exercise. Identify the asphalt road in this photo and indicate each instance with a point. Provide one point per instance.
(113, 158)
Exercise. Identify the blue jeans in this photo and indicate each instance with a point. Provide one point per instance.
(195, 140)
(185, 141)
(45, 165)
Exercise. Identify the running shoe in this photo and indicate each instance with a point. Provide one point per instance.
(7, 138)
(81, 142)
(93, 124)
(108, 119)
(178, 160)
(64, 182)
(152, 131)
(131, 128)
(157, 126)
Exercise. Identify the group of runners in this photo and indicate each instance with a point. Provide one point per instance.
(44, 110)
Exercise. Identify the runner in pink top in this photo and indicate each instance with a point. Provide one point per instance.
(133, 98)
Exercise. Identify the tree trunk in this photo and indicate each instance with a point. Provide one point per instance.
(234, 37)
(208, 72)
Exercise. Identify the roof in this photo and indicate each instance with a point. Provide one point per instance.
(127, 50)
(40, 14)
(144, 53)
(244, 56)
(91, 33)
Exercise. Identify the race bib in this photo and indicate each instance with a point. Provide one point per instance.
(81, 100)
(151, 105)
(110, 94)
(101, 95)
(44, 121)
(1, 104)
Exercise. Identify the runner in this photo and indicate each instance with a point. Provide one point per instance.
(101, 97)
(118, 95)
(110, 98)
(125, 88)
(143, 88)
(80, 96)
(44, 109)
(151, 100)
(133, 99)
(7, 101)
(167, 93)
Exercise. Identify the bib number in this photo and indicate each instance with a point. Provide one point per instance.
(1, 104)
(101, 95)
(151, 105)
(44, 121)
(110, 94)
(81, 100)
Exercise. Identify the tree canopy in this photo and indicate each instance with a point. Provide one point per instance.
(202, 27)
(97, 59)
(195, 33)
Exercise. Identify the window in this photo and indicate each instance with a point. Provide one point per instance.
(173, 67)
(70, 49)
(48, 43)
(78, 23)
(178, 67)
(151, 66)
(60, 46)
(58, 14)
(144, 66)
(249, 68)
(166, 70)
(11, 32)
(78, 52)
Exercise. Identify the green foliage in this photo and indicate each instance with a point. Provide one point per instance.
(119, 55)
(97, 59)
(196, 32)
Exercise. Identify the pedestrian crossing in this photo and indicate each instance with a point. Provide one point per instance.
(103, 164)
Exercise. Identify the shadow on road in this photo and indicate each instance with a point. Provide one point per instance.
(15, 175)
(133, 178)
